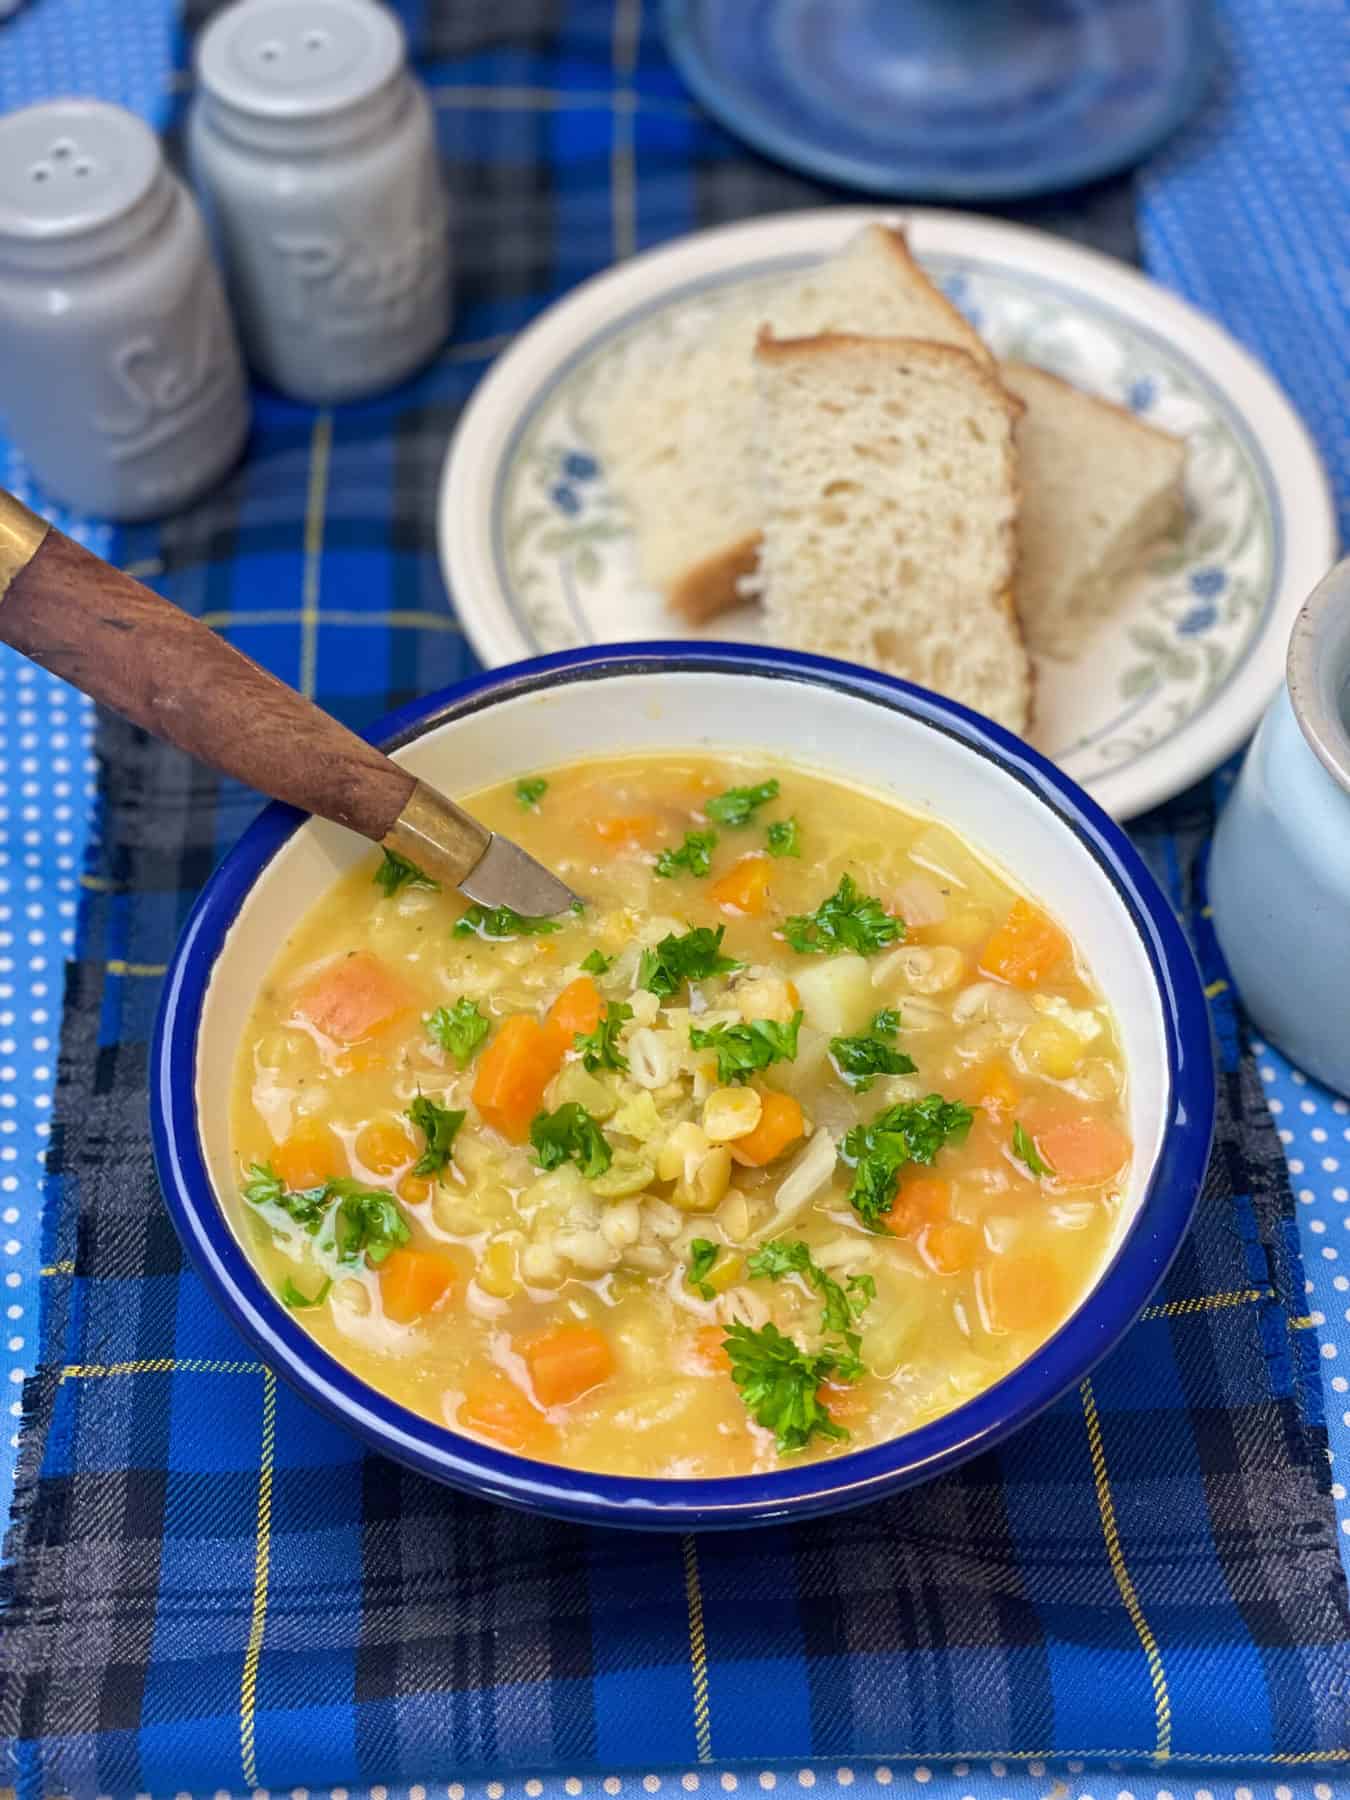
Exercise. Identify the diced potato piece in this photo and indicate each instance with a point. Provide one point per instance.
(836, 995)
(894, 1319)
(627, 1174)
(577, 1084)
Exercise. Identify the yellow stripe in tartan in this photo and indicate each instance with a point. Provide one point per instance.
(397, 620)
(1216, 988)
(97, 885)
(698, 1650)
(248, 1689)
(58, 1268)
(1305, 1323)
(1203, 1303)
(159, 1365)
(1106, 1506)
(115, 966)
(316, 501)
(149, 565)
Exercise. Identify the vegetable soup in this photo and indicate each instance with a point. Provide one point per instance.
(805, 1129)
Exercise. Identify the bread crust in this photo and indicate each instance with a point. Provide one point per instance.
(711, 585)
(1109, 407)
(898, 245)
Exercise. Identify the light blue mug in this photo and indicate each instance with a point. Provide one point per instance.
(1280, 868)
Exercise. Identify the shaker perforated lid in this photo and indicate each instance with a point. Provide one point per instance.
(68, 168)
(299, 59)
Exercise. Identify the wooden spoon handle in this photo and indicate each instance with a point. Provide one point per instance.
(166, 671)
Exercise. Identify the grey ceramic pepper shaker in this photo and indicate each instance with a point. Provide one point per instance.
(314, 153)
(120, 374)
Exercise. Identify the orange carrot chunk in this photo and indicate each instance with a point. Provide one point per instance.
(513, 1072)
(626, 828)
(709, 1349)
(1020, 1293)
(745, 886)
(846, 1405)
(352, 998)
(310, 1156)
(413, 1282)
(1083, 1152)
(494, 1407)
(923, 1200)
(1025, 948)
(780, 1124)
(949, 1246)
(576, 1010)
(567, 1362)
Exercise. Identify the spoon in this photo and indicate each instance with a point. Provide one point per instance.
(168, 673)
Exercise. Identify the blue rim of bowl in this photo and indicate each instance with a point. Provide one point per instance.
(890, 179)
(1120, 1295)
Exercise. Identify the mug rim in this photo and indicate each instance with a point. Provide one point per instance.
(1122, 1289)
(1318, 671)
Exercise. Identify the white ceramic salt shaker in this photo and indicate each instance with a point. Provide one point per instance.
(120, 375)
(314, 153)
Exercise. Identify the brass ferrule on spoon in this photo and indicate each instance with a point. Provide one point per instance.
(167, 672)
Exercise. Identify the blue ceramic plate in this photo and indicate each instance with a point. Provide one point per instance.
(947, 99)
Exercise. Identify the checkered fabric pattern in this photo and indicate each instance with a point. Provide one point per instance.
(210, 1587)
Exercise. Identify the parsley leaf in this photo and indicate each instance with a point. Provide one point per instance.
(694, 854)
(531, 792)
(440, 1123)
(738, 805)
(848, 920)
(780, 1382)
(596, 963)
(743, 1049)
(296, 1298)
(790, 1256)
(460, 1028)
(784, 837)
(693, 957)
(600, 1048)
(363, 1219)
(913, 1131)
(396, 872)
(859, 1060)
(1024, 1147)
(305, 1207)
(496, 922)
(367, 1219)
(703, 1253)
(570, 1135)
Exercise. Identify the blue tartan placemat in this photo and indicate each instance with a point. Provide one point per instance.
(210, 1586)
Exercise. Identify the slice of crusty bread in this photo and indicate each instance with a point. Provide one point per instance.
(889, 505)
(675, 433)
(1098, 487)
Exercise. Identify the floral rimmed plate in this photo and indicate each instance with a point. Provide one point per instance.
(539, 554)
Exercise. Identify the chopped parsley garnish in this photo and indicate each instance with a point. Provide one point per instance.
(396, 872)
(570, 1135)
(531, 792)
(460, 1028)
(861, 1059)
(703, 1253)
(739, 804)
(498, 922)
(693, 957)
(364, 1220)
(694, 854)
(296, 1297)
(843, 1305)
(744, 1049)
(848, 920)
(780, 1382)
(439, 1123)
(784, 837)
(913, 1131)
(600, 1048)
(1024, 1147)
(596, 963)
